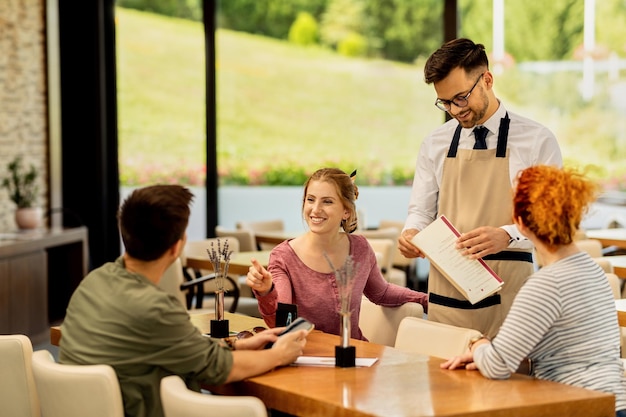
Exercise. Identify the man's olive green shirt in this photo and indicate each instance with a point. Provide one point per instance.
(120, 318)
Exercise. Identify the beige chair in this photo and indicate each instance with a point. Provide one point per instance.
(616, 285)
(247, 243)
(432, 338)
(179, 401)
(580, 235)
(245, 237)
(195, 293)
(399, 264)
(234, 284)
(615, 282)
(381, 233)
(384, 249)
(18, 393)
(380, 324)
(593, 247)
(198, 249)
(76, 390)
(265, 226)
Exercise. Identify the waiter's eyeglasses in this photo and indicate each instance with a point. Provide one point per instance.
(459, 101)
(244, 334)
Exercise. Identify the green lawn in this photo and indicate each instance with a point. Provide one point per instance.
(281, 105)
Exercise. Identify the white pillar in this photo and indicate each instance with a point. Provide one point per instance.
(498, 36)
(588, 47)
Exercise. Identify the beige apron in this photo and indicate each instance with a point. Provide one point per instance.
(476, 191)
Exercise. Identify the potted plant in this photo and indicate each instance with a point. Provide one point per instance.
(21, 183)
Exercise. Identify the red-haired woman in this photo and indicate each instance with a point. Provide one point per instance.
(563, 319)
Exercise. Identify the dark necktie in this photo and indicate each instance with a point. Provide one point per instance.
(480, 133)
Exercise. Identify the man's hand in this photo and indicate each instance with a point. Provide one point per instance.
(483, 241)
(291, 345)
(408, 249)
(259, 340)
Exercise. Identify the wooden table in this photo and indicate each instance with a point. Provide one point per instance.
(619, 265)
(274, 237)
(404, 384)
(608, 237)
(39, 271)
(239, 262)
(400, 384)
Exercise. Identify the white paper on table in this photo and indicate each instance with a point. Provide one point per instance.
(330, 361)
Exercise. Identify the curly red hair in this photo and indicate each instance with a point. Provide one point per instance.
(552, 201)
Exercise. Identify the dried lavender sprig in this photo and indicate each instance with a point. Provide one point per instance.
(216, 256)
(345, 281)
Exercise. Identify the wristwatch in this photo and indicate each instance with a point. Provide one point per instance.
(475, 339)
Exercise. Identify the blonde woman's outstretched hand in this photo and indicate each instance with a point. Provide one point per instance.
(258, 278)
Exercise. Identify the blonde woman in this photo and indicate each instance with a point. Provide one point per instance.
(299, 271)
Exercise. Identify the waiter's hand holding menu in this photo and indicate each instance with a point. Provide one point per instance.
(471, 277)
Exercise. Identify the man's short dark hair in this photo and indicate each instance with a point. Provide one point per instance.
(153, 218)
(457, 53)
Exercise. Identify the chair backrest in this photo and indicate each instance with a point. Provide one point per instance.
(262, 225)
(383, 248)
(580, 234)
(605, 264)
(18, 393)
(171, 280)
(380, 324)
(592, 246)
(179, 401)
(247, 241)
(616, 285)
(387, 233)
(76, 390)
(399, 260)
(432, 338)
(198, 248)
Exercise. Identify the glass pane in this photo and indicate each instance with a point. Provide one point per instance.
(286, 108)
(161, 104)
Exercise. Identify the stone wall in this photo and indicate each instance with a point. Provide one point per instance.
(23, 102)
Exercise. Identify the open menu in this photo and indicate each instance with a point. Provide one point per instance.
(472, 277)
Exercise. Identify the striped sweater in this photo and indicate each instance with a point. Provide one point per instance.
(564, 319)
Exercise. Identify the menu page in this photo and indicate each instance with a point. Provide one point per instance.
(472, 277)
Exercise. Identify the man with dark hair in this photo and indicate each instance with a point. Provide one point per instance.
(466, 169)
(120, 317)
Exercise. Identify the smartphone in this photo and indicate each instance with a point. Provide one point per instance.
(298, 324)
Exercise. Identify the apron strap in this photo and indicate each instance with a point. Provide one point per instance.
(509, 255)
(463, 304)
(455, 142)
(503, 134)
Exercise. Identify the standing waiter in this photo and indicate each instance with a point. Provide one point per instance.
(466, 169)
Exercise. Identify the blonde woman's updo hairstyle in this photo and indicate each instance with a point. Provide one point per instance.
(346, 188)
(552, 202)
